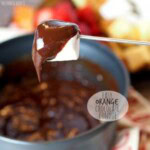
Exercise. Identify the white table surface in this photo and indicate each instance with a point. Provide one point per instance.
(9, 33)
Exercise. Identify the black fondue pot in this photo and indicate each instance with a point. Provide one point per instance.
(99, 138)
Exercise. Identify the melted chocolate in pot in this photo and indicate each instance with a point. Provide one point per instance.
(52, 36)
(54, 109)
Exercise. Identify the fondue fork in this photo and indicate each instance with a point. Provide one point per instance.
(114, 40)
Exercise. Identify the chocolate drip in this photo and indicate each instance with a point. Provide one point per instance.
(52, 36)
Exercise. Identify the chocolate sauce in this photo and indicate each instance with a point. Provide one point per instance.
(52, 36)
(55, 108)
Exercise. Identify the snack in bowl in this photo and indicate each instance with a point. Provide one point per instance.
(129, 20)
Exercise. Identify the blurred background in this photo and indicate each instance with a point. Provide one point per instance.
(128, 19)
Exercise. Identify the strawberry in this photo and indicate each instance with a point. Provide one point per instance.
(95, 30)
(43, 14)
(66, 12)
(87, 15)
(63, 11)
(84, 28)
